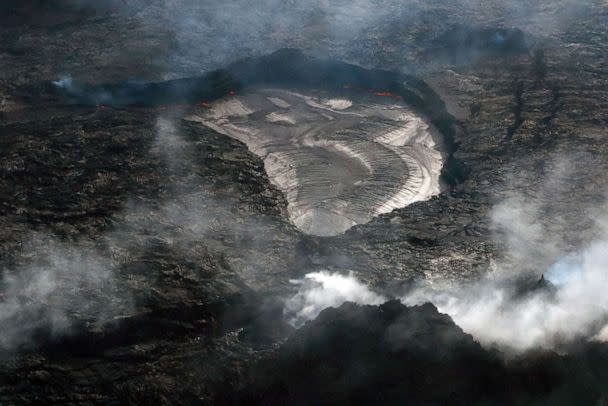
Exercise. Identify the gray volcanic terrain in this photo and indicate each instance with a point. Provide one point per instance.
(207, 202)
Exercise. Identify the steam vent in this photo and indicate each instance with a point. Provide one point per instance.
(339, 161)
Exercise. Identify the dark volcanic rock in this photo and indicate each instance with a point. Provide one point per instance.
(379, 355)
(393, 354)
(195, 237)
(461, 43)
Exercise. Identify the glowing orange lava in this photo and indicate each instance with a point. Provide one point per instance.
(205, 104)
(389, 94)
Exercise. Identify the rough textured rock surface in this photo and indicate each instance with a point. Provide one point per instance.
(392, 354)
(188, 245)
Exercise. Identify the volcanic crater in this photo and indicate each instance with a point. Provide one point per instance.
(153, 229)
(339, 162)
(344, 144)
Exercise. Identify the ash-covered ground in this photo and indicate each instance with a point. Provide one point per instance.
(194, 193)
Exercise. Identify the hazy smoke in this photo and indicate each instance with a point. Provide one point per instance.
(61, 283)
(320, 290)
(496, 312)
(344, 28)
(540, 233)
(65, 82)
(205, 35)
(209, 34)
(527, 242)
(510, 307)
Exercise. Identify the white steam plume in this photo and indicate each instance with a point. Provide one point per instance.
(494, 312)
(62, 283)
(510, 307)
(320, 290)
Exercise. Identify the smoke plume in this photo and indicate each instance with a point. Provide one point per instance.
(320, 290)
(59, 288)
(191, 37)
(540, 293)
(571, 306)
(60, 284)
